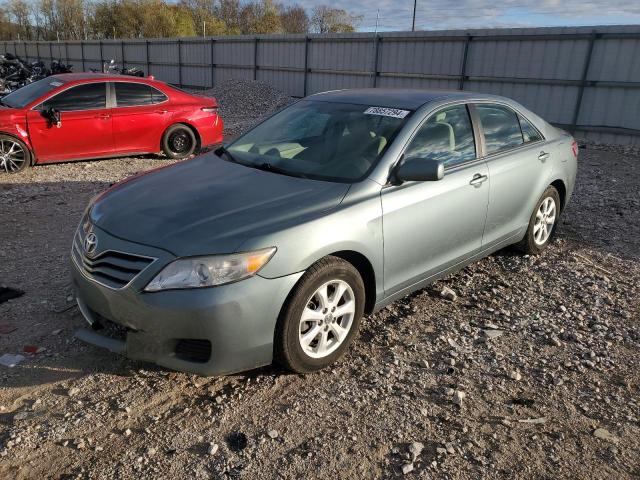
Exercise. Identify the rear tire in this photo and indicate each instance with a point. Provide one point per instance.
(15, 156)
(542, 224)
(179, 141)
(321, 316)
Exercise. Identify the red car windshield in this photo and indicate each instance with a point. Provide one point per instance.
(27, 94)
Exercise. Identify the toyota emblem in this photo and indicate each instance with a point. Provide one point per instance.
(90, 243)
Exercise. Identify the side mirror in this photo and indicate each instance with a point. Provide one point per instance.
(419, 169)
(53, 116)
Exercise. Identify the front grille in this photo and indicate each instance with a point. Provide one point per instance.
(194, 350)
(109, 268)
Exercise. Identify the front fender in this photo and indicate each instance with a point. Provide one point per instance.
(355, 226)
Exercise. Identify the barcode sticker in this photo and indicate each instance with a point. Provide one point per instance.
(386, 112)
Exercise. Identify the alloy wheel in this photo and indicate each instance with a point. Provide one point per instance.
(327, 319)
(12, 156)
(545, 219)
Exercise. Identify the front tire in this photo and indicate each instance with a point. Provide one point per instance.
(179, 141)
(14, 155)
(321, 316)
(542, 224)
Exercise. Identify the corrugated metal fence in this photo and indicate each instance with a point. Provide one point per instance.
(585, 79)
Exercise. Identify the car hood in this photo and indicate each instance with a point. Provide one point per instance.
(208, 205)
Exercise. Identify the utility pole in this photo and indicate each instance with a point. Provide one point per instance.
(413, 25)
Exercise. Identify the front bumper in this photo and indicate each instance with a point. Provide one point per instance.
(236, 320)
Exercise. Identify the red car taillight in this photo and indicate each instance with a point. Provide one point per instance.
(210, 109)
(574, 149)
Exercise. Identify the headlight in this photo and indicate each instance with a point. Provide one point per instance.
(196, 272)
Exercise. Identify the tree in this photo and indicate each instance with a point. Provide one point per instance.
(294, 19)
(19, 16)
(260, 17)
(333, 20)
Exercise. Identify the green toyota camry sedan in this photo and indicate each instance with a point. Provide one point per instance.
(273, 247)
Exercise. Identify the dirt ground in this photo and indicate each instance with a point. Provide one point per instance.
(532, 372)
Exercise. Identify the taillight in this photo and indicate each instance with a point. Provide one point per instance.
(210, 109)
(574, 149)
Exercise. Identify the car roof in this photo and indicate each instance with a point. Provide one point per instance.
(78, 77)
(408, 99)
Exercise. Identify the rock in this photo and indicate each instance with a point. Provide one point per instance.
(448, 294)
(151, 451)
(10, 360)
(491, 334)
(407, 468)
(458, 397)
(555, 341)
(219, 399)
(127, 432)
(213, 448)
(604, 434)
(515, 375)
(73, 391)
(272, 434)
(415, 449)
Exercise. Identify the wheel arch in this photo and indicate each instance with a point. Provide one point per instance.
(25, 142)
(560, 186)
(366, 271)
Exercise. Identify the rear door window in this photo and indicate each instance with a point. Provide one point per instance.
(129, 94)
(90, 96)
(501, 127)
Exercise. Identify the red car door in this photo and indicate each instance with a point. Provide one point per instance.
(140, 116)
(85, 130)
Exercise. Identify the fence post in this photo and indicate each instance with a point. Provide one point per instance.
(583, 81)
(147, 57)
(255, 58)
(101, 57)
(306, 64)
(463, 67)
(82, 55)
(38, 50)
(122, 53)
(66, 52)
(213, 65)
(180, 63)
(50, 52)
(376, 49)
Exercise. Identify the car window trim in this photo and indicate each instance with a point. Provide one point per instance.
(489, 155)
(465, 103)
(115, 95)
(106, 96)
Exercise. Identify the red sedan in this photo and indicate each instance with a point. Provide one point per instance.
(79, 116)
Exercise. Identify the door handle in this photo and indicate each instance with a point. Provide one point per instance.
(161, 112)
(478, 180)
(543, 156)
(104, 116)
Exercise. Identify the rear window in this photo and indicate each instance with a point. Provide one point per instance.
(501, 127)
(136, 94)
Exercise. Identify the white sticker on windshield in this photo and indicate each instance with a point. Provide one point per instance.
(386, 112)
(56, 84)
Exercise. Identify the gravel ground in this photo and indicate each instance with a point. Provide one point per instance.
(532, 371)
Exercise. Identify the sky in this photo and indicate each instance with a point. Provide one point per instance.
(396, 15)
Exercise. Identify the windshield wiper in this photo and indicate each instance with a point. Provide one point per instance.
(268, 167)
(226, 152)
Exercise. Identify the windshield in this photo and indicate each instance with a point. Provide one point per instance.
(27, 94)
(321, 140)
